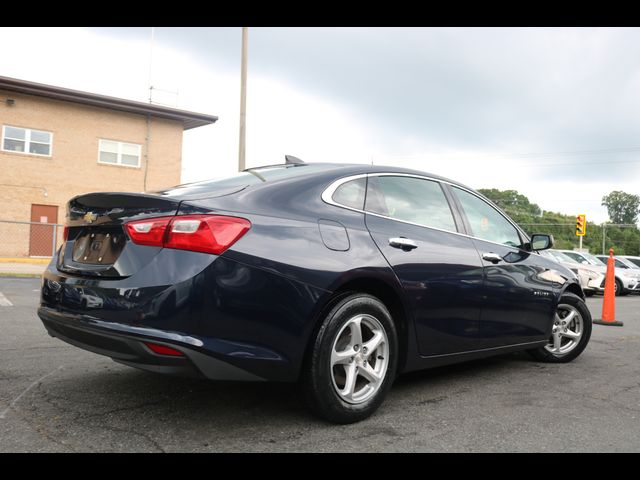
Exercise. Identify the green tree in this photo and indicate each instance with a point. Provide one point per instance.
(622, 207)
(624, 241)
(516, 205)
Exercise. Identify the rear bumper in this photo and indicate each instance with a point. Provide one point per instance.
(126, 344)
(232, 321)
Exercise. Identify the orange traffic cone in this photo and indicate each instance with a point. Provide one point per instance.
(609, 303)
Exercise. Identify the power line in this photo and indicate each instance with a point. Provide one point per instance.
(571, 153)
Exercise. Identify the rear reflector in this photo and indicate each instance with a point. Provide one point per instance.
(163, 350)
(197, 233)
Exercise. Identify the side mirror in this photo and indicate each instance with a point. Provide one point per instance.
(541, 241)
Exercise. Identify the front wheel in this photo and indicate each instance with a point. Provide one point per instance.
(618, 288)
(570, 333)
(353, 360)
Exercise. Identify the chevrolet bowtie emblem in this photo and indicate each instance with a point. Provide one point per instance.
(90, 217)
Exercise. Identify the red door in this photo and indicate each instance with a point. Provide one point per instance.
(41, 236)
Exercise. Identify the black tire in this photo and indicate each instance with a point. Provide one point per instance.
(620, 291)
(317, 379)
(542, 354)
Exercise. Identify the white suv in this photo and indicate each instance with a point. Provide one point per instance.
(591, 277)
(627, 280)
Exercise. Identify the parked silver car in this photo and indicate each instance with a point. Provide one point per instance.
(591, 278)
(627, 280)
(625, 265)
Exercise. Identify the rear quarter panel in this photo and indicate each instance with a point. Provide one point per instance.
(285, 241)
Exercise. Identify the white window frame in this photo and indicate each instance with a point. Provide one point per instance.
(119, 153)
(27, 141)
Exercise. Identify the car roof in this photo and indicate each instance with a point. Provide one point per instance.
(347, 169)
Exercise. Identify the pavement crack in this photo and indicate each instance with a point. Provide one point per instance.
(24, 392)
(129, 431)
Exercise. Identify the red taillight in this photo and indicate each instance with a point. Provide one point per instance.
(148, 232)
(163, 350)
(205, 233)
(65, 233)
(197, 233)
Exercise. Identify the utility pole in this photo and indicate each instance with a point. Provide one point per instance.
(243, 100)
(150, 65)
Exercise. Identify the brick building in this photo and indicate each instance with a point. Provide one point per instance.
(57, 143)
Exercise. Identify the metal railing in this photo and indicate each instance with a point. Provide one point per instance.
(26, 247)
(29, 239)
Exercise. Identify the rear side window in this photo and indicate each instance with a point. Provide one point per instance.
(410, 199)
(351, 194)
(486, 222)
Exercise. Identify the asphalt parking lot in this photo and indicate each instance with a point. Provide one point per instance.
(58, 398)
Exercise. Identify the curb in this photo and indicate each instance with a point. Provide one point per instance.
(43, 261)
(19, 275)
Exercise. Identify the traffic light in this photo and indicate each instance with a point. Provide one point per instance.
(581, 225)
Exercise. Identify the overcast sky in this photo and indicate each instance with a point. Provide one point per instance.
(551, 112)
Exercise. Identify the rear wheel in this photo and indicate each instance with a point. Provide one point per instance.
(353, 360)
(570, 333)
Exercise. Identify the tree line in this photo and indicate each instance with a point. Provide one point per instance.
(620, 233)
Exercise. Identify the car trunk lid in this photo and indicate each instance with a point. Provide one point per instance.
(96, 243)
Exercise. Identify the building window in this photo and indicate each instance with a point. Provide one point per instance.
(26, 140)
(119, 153)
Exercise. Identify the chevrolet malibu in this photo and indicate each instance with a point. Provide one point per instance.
(338, 277)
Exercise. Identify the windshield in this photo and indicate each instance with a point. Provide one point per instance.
(626, 262)
(592, 259)
(622, 264)
(561, 257)
(635, 261)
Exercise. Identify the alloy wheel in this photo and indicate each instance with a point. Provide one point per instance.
(567, 330)
(359, 359)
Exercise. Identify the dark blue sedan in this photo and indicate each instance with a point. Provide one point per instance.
(339, 277)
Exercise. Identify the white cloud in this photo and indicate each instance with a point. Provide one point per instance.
(544, 84)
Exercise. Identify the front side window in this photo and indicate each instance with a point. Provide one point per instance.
(119, 153)
(26, 140)
(486, 222)
(410, 199)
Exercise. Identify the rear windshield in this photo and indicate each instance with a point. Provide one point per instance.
(244, 179)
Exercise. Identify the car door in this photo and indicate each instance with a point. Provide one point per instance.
(412, 224)
(518, 291)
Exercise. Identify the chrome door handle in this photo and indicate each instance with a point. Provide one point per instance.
(491, 257)
(403, 243)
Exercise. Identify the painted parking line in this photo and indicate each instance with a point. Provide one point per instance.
(4, 301)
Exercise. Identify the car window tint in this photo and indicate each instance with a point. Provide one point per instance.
(486, 222)
(351, 194)
(410, 199)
